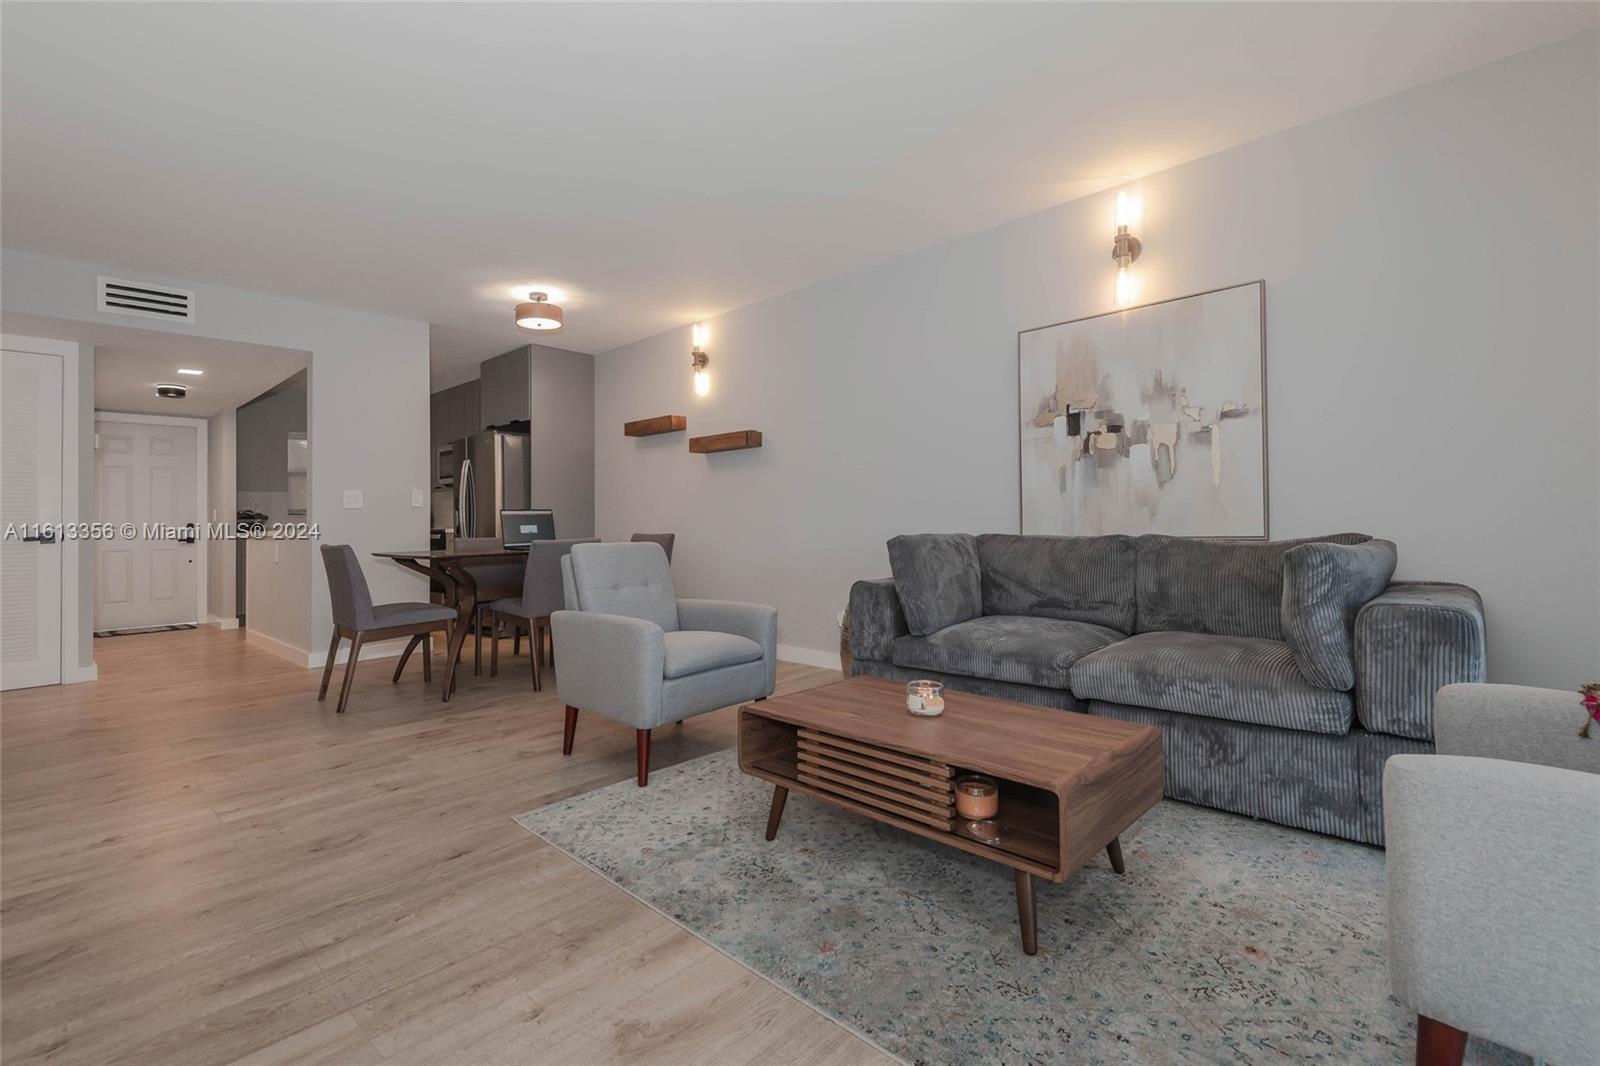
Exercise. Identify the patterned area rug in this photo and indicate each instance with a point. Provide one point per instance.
(1228, 940)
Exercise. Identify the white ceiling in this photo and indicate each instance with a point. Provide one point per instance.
(130, 362)
(658, 163)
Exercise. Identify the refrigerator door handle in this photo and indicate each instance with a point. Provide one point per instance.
(464, 500)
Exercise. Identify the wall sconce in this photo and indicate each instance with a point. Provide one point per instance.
(700, 360)
(1125, 248)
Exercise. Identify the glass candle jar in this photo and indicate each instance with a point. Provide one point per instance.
(925, 699)
(977, 797)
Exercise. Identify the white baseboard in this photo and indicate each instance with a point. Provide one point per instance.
(791, 653)
(222, 623)
(275, 647)
(76, 675)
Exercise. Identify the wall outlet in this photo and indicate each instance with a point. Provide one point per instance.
(418, 498)
(352, 499)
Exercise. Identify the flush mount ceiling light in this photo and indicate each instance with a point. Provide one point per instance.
(169, 391)
(538, 313)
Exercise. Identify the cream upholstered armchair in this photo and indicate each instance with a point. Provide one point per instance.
(1493, 869)
(628, 648)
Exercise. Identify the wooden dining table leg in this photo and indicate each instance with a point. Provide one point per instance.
(460, 581)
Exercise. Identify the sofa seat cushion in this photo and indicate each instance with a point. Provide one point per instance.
(1016, 648)
(1243, 679)
(694, 651)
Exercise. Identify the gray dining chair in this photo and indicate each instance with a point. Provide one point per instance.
(541, 596)
(357, 619)
(663, 539)
(634, 652)
(494, 580)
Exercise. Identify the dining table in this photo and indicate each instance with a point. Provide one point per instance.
(451, 568)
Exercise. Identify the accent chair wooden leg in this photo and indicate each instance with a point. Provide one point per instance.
(427, 657)
(327, 671)
(780, 796)
(494, 653)
(349, 671)
(1027, 913)
(1114, 853)
(405, 657)
(569, 729)
(1439, 1044)
(642, 744)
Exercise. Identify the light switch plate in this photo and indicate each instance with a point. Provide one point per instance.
(352, 499)
(418, 498)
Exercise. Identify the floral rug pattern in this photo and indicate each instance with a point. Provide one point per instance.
(1228, 940)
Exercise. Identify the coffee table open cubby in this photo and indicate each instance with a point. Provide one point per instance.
(1069, 783)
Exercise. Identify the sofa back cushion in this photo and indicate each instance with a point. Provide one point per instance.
(1232, 588)
(1079, 579)
(937, 579)
(1324, 585)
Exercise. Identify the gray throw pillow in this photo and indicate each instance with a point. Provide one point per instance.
(1324, 585)
(937, 578)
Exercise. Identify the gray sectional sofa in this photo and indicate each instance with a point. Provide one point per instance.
(1282, 674)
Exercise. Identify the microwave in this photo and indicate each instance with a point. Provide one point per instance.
(444, 465)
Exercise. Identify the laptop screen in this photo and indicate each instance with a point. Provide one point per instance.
(518, 529)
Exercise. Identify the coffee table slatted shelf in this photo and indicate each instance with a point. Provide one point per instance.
(1069, 783)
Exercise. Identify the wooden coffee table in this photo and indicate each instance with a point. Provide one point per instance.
(1069, 783)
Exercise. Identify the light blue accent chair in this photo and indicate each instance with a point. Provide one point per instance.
(629, 649)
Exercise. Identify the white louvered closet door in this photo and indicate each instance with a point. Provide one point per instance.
(30, 494)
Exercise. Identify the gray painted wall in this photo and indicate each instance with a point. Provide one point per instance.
(561, 438)
(264, 426)
(221, 499)
(1431, 270)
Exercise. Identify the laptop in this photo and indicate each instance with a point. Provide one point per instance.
(519, 529)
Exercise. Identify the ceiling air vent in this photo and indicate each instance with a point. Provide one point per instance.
(121, 297)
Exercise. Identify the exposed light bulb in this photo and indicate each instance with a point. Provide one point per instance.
(1127, 286)
(702, 382)
(1128, 209)
(697, 333)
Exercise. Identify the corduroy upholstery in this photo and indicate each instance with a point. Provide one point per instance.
(1261, 648)
(1243, 679)
(1029, 651)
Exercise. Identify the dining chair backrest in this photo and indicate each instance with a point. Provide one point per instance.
(663, 539)
(496, 579)
(541, 582)
(347, 587)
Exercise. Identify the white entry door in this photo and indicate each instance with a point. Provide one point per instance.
(30, 498)
(145, 474)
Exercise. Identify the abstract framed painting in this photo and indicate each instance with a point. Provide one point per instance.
(1151, 419)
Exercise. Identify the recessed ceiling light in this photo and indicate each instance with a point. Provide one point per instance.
(191, 373)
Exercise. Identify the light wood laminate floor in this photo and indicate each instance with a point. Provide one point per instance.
(199, 863)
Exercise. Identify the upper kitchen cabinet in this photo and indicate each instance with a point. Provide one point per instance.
(454, 414)
(504, 388)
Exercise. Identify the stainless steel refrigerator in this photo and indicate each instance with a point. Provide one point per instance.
(491, 475)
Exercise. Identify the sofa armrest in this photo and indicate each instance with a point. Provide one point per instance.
(1411, 641)
(876, 619)
(1535, 725)
(753, 621)
(610, 663)
(1494, 922)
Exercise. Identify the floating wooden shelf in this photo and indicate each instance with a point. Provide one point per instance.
(738, 440)
(649, 427)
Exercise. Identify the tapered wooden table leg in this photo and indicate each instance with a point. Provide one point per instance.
(1114, 853)
(1027, 913)
(780, 796)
